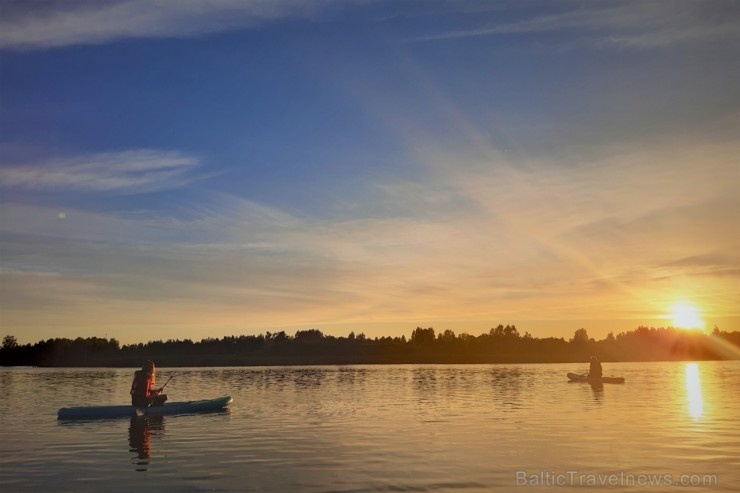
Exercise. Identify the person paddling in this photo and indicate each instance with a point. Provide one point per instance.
(142, 393)
(594, 369)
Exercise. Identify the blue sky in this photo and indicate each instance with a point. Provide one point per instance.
(186, 169)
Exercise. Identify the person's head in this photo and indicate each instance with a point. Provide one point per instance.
(594, 359)
(148, 367)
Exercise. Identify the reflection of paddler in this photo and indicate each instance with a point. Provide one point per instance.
(598, 390)
(140, 436)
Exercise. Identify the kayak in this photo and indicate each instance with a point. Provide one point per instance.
(95, 412)
(574, 377)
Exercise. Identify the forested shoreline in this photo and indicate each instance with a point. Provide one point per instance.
(503, 344)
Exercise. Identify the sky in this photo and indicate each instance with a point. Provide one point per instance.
(180, 169)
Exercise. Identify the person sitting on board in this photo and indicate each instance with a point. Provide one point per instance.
(142, 393)
(594, 370)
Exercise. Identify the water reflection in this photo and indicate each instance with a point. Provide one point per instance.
(351, 376)
(507, 386)
(693, 391)
(597, 389)
(140, 433)
(425, 380)
(308, 378)
(379, 428)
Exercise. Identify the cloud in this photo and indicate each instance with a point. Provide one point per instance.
(133, 171)
(716, 263)
(629, 24)
(35, 25)
(32, 25)
(477, 236)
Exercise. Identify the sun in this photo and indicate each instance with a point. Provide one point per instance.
(686, 316)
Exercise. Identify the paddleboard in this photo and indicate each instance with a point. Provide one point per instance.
(574, 377)
(186, 407)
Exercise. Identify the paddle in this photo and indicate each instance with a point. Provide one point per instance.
(163, 386)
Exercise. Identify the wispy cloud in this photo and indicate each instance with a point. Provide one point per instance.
(34, 25)
(28, 25)
(608, 236)
(130, 171)
(632, 24)
(604, 235)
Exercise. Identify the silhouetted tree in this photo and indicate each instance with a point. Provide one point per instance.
(422, 336)
(501, 344)
(310, 335)
(9, 342)
(580, 337)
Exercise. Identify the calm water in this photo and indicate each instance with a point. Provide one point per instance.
(381, 428)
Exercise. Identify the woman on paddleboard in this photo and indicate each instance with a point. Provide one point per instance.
(142, 392)
(594, 369)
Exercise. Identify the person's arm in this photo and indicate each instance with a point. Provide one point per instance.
(150, 392)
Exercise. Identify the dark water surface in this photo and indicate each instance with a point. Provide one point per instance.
(381, 428)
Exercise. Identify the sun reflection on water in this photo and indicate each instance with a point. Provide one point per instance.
(693, 391)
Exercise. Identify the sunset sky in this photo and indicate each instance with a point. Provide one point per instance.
(187, 169)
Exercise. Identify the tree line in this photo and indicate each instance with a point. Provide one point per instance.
(502, 344)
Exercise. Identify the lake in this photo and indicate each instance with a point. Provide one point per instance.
(467, 428)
